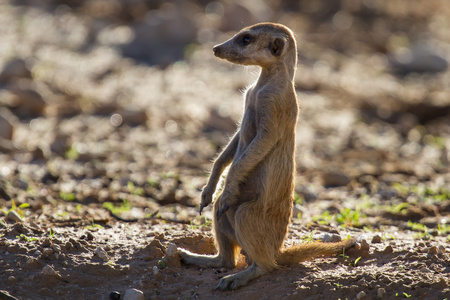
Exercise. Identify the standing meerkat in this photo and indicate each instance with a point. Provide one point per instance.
(255, 206)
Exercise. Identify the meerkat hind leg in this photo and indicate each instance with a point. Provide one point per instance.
(242, 278)
(226, 244)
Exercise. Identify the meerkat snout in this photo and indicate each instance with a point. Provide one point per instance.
(216, 50)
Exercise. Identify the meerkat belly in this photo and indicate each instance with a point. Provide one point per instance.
(271, 178)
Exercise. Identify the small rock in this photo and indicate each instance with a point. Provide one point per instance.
(13, 216)
(381, 292)
(133, 294)
(388, 250)
(331, 238)
(13, 70)
(37, 253)
(47, 251)
(89, 235)
(155, 270)
(12, 279)
(376, 239)
(7, 146)
(361, 295)
(219, 122)
(114, 295)
(420, 58)
(441, 249)
(335, 178)
(425, 270)
(56, 248)
(102, 254)
(364, 245)
(27, 102)
(296, 210)
(7, 123)
(134, 117)
(49, 271)
(172, 250)
(433, 250)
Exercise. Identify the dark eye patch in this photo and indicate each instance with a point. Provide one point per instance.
(246, 39)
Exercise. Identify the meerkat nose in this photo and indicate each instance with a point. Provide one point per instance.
(216, 50)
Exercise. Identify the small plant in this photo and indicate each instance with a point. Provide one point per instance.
(72, 153)
(51, 233)
(348, 217)
(125, 206)
(343, 255)
(338, 285)
(356, 261)
(94, 226)
(153, 183)
(193, 226)
(78, 208)
(23, 237)
(324, 219)
(162, 264)
(423, 230)
(67, 196)
(406, 295)
(398, 209)
(134, 190)
(298, 199)
(18, 209)
(308, 238)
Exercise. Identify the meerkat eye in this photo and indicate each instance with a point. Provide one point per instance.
(246, 39)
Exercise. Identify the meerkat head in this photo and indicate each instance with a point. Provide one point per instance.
(261, 44)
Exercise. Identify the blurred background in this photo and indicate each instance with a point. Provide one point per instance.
(105, 100)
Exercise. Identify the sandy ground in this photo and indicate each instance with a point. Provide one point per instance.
(101, 171)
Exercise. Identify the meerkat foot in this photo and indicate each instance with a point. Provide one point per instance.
(232, 282)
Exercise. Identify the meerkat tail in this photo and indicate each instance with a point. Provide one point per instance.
(308, 251)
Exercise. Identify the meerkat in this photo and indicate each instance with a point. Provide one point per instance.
(254, 208)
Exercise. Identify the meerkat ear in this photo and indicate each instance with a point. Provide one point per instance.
(277, 46)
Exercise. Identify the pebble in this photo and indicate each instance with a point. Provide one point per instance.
(433, 250)
(388, 250)
(13, 216)
(28, 102)
(134, 294)
(364, 245)
(335, 179)
(361, 295)
(102, 254)
(49, 271)
(331, 238)
(155, 270)
(14, 69)
(47, 251)
(172, 250)
(56, 248)
(376, 239)
(425, 270)
(381, 292)
(114, 295)
(7, 122)
(37, 253)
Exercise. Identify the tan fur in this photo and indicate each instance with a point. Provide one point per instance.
(255, 206)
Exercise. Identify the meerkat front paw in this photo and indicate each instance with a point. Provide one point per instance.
(226, 200)
(207, 197)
